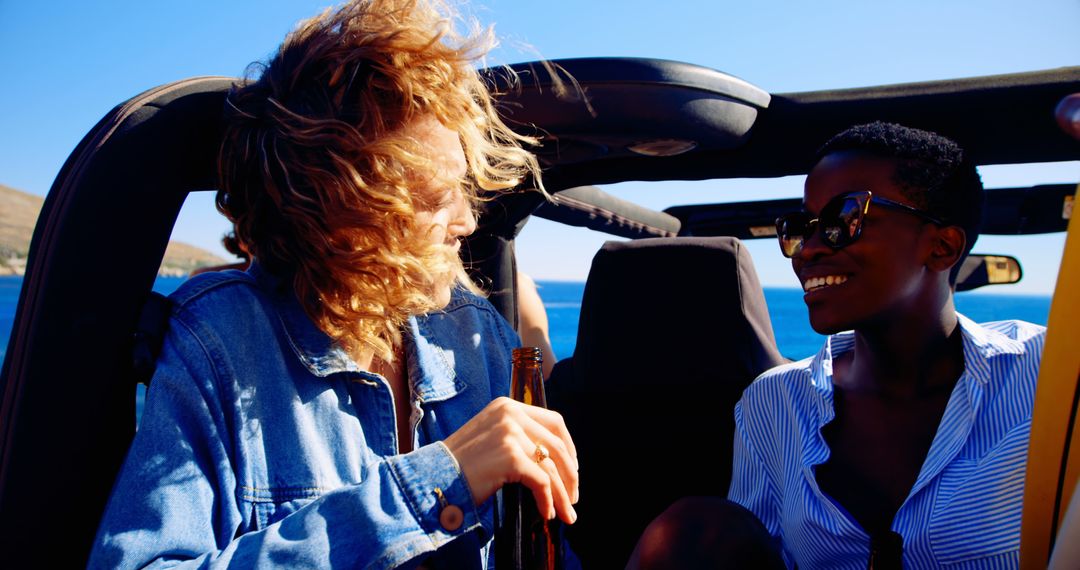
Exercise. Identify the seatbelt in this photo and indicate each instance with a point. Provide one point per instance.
(149, 335)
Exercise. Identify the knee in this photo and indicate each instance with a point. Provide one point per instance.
(683, 522)
(705, 532)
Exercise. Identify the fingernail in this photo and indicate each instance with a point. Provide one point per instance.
(573, 515)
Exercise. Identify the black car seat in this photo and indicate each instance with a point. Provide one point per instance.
(84, 328)
(671, 332)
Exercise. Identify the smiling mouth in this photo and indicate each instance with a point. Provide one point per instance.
(818, 283)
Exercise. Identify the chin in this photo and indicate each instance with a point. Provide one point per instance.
(827, 325)
(441, 296)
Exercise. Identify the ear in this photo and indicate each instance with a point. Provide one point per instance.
(947, 249)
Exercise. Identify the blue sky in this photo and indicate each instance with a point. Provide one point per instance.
(66, 63)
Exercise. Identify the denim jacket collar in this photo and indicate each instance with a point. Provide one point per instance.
(431, 367)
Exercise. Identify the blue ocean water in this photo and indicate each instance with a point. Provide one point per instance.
(9, 299)
(794, 337)
(790, 319)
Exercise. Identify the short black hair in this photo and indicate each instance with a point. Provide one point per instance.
(932, 171)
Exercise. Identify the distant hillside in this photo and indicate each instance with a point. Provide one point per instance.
(19, 212)
(181, 259)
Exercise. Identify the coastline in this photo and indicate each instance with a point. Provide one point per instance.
(562, 300)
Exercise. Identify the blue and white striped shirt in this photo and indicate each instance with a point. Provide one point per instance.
(964, 510)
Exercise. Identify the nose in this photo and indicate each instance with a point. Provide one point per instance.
(463, 222)
(813, 246)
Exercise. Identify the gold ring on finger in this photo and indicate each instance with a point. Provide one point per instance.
(541, 453)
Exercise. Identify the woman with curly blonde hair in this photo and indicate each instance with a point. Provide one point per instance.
(341, 403)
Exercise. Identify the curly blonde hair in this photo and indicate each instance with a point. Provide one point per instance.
(316, 176)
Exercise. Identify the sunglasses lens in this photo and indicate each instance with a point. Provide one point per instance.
(791, 229)
(790, 247)
(841, 222)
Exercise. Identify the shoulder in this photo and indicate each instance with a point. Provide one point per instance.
(470, 312)
(805, 379)
(776, 377)
(471, 338)
(224, 311)
(462, 300)
(203, 331)
(214, 288)
(1018, 331)
(1011, 339)
(1002, 360)
(469, 327)
(786, 389)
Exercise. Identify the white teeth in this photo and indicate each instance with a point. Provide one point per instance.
(821, 282)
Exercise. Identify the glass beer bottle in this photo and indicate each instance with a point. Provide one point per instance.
(886, 552)
(525, 540)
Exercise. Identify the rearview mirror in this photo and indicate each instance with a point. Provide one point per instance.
(983, 269)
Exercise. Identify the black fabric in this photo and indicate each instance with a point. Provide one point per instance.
(68, 409)
(491, 263)
(1001, 119)
(671, 331)
(1006, 211)
(633, 108)
(591, 207)
(149, 336)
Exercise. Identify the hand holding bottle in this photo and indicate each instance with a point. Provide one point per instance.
(499, 444)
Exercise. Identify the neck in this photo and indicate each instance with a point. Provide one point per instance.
(917, 354)
(362, 357)
(366, 358)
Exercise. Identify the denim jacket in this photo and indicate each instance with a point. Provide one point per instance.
(263, 444)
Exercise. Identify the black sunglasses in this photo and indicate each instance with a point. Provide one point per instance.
(841, 221)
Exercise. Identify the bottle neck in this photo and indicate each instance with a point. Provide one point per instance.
(529, 356)
(886, 551)
(527, 378)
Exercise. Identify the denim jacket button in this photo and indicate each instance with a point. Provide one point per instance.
(451, 517)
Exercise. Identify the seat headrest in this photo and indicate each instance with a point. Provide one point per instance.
(651, 299)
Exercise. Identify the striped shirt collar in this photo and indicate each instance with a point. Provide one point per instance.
(980, 345)
(965, 506)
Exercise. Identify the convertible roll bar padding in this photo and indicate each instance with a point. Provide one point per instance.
(67, 409)
(588, 109)
(1021, 210)
(1000, 119)
(591, 207)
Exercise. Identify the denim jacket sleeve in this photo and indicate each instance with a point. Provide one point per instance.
(177, 500)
